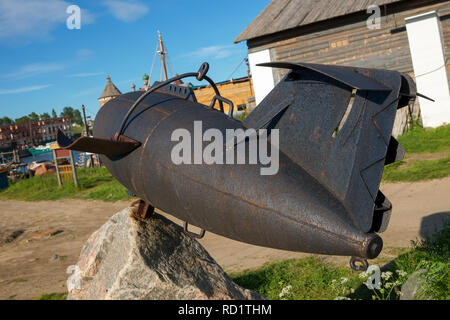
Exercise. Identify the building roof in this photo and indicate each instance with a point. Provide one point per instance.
(281, 15)
(110, 89)
(237, 80)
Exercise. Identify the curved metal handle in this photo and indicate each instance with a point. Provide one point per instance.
(202, 71)
(191, 234)
(220, 98)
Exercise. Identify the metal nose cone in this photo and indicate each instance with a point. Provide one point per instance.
(373, 247)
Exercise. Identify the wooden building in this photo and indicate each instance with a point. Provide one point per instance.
(411, 36)
(239, 91)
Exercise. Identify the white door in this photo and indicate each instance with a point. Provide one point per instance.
(262, 77)
(428, 59)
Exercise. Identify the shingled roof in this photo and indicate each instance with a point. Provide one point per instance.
(110, 89)
(281, 15)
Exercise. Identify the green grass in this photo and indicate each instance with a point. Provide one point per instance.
(310, 278)
(313, 278)
(94, 183)
(419, 140)
(417, 170)
(53, 296)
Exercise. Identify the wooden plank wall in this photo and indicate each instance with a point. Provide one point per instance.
(356, 45)
(237, 92)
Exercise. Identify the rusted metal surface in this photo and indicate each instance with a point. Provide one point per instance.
(144, 210)
(324, 198)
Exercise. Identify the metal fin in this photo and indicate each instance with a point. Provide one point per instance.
(346, 75)
(259, 122)
(123, 146)
(350, 163)
(395, 152)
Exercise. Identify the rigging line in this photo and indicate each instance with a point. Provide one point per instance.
(153, 65)
(170, 65)
(90, 111)
(240, 63)
(426, 73)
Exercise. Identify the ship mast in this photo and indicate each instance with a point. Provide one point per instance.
(162, 53)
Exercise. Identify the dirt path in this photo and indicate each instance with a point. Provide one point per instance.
(33, 263)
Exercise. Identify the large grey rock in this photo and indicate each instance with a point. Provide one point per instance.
(411, 289)
(130, 259)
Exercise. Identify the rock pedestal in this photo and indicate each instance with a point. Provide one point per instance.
(153, 259)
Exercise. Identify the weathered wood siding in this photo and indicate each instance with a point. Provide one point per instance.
(237, 92)
(356, 45)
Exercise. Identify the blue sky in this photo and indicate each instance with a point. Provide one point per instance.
(45, 65)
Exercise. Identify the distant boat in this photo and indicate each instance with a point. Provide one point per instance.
(41, 149)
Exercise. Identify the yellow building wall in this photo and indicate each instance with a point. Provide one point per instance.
(237, 92)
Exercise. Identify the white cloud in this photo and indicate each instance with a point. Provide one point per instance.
(24, 89)
(35, 69)
(214, 52)
(34, 18)
(126, 11)
(86, 74)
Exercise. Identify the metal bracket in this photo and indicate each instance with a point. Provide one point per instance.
(144, 211)
(364, 264)
(229, 102)
(191, 234)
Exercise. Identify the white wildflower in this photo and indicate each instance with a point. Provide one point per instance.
(285, 291)
(363, 275)
(344, 280)
(386, 275)
(401, 273)
(342, 298)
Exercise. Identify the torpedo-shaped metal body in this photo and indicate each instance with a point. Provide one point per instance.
(334, 127)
